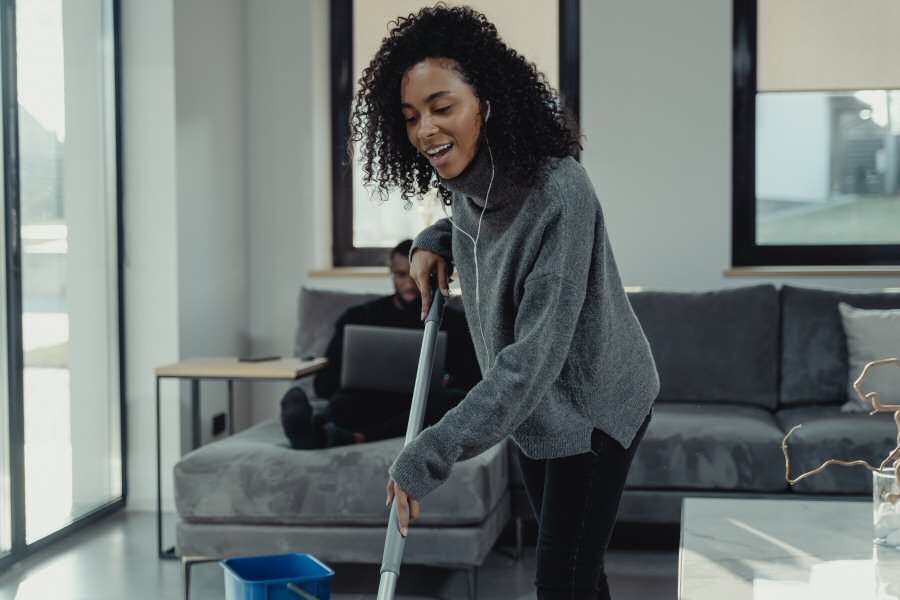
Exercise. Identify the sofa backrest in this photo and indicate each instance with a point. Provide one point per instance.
(713, 346)
(319, 310)
(814, 347)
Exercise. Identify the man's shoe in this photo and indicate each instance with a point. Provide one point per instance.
(296, 418)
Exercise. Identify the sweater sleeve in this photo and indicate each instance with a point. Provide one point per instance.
(524, 370)
(438, 238)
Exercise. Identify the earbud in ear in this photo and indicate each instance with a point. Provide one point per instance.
(488, 113)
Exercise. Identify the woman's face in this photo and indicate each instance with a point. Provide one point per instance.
(440, 109)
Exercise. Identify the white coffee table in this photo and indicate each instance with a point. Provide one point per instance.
(760, 549)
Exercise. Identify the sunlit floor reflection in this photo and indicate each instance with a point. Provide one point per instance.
(48, 451)
(48, 423)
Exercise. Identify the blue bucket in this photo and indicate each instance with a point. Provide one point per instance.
(267, 577)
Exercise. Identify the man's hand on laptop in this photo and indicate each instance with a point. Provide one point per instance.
(424, 262)
(405, 506)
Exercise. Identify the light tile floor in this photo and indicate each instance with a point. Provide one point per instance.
(115, 559)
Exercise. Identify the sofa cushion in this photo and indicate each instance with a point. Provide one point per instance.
(716, 346)
(814, 350)
(829, 433)
(709, 447)
(871, 335)
(255, 477)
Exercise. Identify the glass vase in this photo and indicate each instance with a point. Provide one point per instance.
(886, 507)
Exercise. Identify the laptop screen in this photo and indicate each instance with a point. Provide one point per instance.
(386, 359)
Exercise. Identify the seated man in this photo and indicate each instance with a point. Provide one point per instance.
(355, 416)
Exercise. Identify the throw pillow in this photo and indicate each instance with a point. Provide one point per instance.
(871, 335)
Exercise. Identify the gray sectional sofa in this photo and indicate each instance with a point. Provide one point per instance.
(738, 367)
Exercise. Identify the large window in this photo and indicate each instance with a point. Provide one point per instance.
(62, 459)
(365, 229)
(816, 166)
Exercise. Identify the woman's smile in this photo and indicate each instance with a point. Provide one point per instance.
(439, 158)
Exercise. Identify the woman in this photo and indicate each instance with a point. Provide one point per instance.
(567, 371)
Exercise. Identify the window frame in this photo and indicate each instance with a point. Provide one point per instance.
(344, 254)
(745, 252)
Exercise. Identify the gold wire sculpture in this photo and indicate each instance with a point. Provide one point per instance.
(892, 459)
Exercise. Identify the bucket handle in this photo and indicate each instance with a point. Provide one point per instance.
(300, 592)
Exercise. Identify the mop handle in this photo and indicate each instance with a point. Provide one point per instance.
(394, 542)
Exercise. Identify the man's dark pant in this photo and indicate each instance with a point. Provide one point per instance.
(380, 416)
(576, 499)
(376, 415)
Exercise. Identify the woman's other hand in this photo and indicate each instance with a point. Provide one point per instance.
(405, 506)
(424, 263)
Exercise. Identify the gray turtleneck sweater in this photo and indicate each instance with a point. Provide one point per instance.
(564, 352)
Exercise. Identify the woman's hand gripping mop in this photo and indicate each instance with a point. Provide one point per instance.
(395, 543)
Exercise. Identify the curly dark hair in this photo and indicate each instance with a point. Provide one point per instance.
(527, 125)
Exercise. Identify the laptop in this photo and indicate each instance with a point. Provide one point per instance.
(386, 359)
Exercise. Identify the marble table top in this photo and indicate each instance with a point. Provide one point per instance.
(760, 549)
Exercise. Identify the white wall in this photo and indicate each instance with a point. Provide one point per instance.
(185, 209)
(213, 309)
(151, 233)
(288, 169)
(656, 93)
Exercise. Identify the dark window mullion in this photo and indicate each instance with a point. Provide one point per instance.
(13, 278)
(743, 157)
(120, 242)
(570, 57)
(341, 96)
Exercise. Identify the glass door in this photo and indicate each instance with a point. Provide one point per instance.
(69, 301)
(63, 334)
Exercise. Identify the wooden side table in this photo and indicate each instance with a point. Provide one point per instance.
(228, 369)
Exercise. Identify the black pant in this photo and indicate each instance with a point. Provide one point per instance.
(382, 416)
(576, 499)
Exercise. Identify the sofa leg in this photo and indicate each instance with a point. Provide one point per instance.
(517, 552)
(520, 526)
(473, 583)
(187, 562)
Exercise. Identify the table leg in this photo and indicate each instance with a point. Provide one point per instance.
(159, 540)
(187, 563)
(195, 414)
(159, 513)
(231, 407)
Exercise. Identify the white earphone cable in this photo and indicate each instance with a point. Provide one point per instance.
(475, 245)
